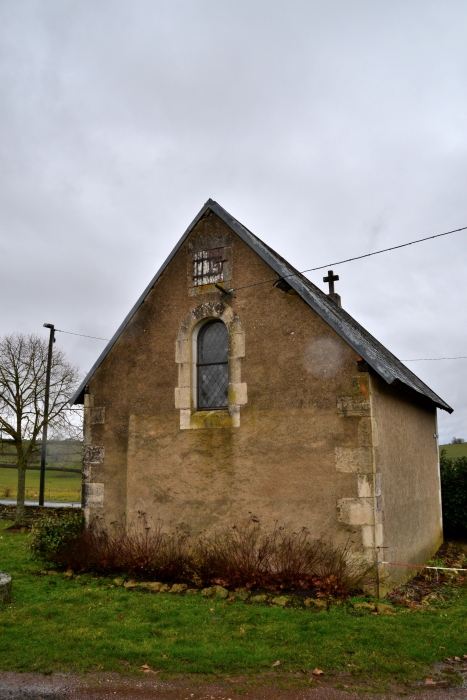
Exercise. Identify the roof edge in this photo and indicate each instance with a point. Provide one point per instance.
(312, 295)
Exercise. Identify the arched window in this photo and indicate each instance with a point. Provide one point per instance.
(213, 366)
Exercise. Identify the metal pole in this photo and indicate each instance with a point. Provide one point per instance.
(46, 412)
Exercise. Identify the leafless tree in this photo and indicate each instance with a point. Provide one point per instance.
(23, 365)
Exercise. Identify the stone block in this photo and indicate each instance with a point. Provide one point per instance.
(185, 419)
(384, 608)
(93, 454)
(356, 511)
(228, 315)
(260, 598)
(178, 588)
(354, 460)
(185, 370)
(242, 594)
(93, 495)
(282, 601)
(369, 485)
(97, 415)
(183, 350)
(183, 397)
(153, 586)
(237, 345)
(207, 592)
(368, 536)
(221, 592)
(349, 406)
(238, 394)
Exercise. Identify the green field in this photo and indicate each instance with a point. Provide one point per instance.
(453, 451)
(59, 486)
(83, 623)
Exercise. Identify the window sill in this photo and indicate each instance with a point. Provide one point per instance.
(219, 418)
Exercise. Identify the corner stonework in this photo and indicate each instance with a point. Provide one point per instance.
(93, 455)
(185, 357)
(365, 511)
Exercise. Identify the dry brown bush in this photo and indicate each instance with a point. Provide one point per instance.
(238, 557)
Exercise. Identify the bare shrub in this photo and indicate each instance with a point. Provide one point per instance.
(137, 551)
(239, 557)
(339, 571)
(253, 558)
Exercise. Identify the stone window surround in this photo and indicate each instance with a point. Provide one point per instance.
(185, 357)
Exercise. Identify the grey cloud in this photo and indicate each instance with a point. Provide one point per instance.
(329, 129)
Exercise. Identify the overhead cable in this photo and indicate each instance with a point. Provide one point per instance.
(358, 257)
(432, 359)
(57, 330)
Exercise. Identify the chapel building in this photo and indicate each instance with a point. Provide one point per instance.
(220, 400)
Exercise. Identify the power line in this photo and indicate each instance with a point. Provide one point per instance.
(358, 257)
(81, 335)
(322, 267)
(432, 359)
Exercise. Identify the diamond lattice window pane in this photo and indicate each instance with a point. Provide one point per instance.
(213, 343)
(213, 382)
(213, 368)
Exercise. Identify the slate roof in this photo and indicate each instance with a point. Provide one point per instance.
(380, 359)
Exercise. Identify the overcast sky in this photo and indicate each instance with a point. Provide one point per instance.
(330, 129)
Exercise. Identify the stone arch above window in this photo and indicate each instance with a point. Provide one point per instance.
(192, 412)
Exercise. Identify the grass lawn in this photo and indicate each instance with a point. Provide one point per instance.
(59, 486)
(453, 451)
(57, 623)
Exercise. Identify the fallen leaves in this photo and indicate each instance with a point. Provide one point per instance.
(430, 681)
(453, 659)
(276, 663)
(317, 672)
(147, 669)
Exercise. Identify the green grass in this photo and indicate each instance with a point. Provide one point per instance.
(56, 623)
(453, 451)
(59, 486)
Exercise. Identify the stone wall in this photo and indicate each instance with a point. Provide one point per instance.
(271, 456)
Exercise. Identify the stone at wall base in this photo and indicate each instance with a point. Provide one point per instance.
(5, 587)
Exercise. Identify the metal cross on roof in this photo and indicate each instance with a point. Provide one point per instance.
(331, 278)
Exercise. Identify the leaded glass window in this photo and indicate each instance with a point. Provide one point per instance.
(213, 366)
